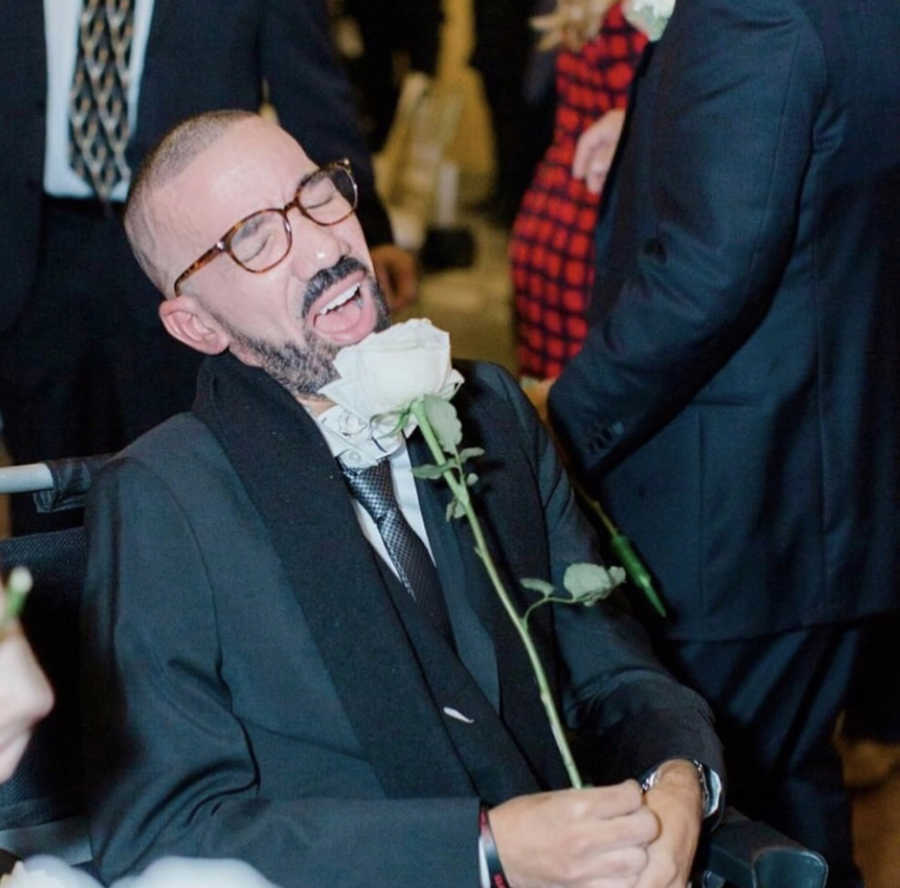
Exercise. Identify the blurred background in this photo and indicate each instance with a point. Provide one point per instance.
(457, 108)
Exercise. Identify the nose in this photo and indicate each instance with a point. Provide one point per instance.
(314, 246)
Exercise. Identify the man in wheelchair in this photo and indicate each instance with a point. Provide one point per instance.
(262, 683)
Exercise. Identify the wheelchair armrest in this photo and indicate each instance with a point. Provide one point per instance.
(72, 479)
(749, 854)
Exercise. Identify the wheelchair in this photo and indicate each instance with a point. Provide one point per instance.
(42, 810)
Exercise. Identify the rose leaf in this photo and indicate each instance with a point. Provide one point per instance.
(455, 509)
(470, 453)
(442, 417)
(541, 586)
(430, 471)
(587, 583)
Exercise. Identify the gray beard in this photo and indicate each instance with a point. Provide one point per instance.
(303, 371)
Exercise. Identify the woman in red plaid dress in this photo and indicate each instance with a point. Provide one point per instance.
(551, 246)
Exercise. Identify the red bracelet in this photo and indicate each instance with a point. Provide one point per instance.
(496, 876)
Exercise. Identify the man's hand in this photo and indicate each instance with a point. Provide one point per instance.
(397, 275)
(595, 149)
(25, 695)
(676, 800)
(537, 391)
(597, 837)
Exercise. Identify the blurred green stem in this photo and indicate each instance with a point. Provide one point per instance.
(623, 549)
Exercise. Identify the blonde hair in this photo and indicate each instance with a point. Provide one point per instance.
(572, 24)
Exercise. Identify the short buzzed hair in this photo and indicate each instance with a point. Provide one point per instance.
(172, 154)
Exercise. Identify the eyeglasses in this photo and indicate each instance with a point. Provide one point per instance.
(261, 240)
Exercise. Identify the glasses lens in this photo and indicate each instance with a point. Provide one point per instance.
(261, 241)
(329, 195)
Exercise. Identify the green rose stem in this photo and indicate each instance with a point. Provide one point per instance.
(454, 474)
(17, 588)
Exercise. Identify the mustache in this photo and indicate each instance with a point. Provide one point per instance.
(326, 277)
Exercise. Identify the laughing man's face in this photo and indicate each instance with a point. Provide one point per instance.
(292, 319)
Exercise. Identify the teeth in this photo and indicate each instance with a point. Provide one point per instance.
(340, 299)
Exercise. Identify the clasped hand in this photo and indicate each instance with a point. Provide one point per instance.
(602, 837)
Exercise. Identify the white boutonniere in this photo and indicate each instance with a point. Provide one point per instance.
(649, 16)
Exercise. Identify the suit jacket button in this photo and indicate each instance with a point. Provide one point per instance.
(604, 437)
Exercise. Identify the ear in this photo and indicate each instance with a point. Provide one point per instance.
(187, 322)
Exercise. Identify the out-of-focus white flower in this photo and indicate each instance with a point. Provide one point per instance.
(46, 872)
(183, 872)
(649, 16)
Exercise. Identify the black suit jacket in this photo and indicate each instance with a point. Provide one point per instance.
(736, 402)
(200, 56)
(296, 715)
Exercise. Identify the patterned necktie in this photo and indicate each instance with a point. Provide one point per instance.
(98, 99)
(374, 490)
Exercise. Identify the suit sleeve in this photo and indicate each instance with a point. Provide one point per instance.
(312, 96)
(169, 769)
(631, 713)
(730, 136)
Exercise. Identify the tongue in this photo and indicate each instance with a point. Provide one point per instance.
(339, 320)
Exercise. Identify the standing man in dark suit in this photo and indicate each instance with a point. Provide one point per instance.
(84, 367)
(736, 403)
(270, 689)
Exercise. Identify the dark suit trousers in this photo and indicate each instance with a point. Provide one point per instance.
(776, 700)
(88, 366)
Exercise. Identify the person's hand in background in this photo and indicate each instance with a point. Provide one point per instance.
(595, 149)
(397, 275)
(25, 694)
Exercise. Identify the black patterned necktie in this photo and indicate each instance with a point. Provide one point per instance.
(98, 98)
(374, 490)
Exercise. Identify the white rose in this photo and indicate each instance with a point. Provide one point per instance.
(45, 872)
(182, 872)
(649, 16)
(385, 372)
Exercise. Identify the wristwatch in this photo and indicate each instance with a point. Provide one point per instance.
(709, 802)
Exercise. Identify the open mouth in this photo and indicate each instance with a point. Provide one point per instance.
(340, 300)
(343, 314)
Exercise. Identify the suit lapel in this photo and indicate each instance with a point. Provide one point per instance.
(462, 580)
(295, 484)
(487, 750)
(507, 504)
(394, 674)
